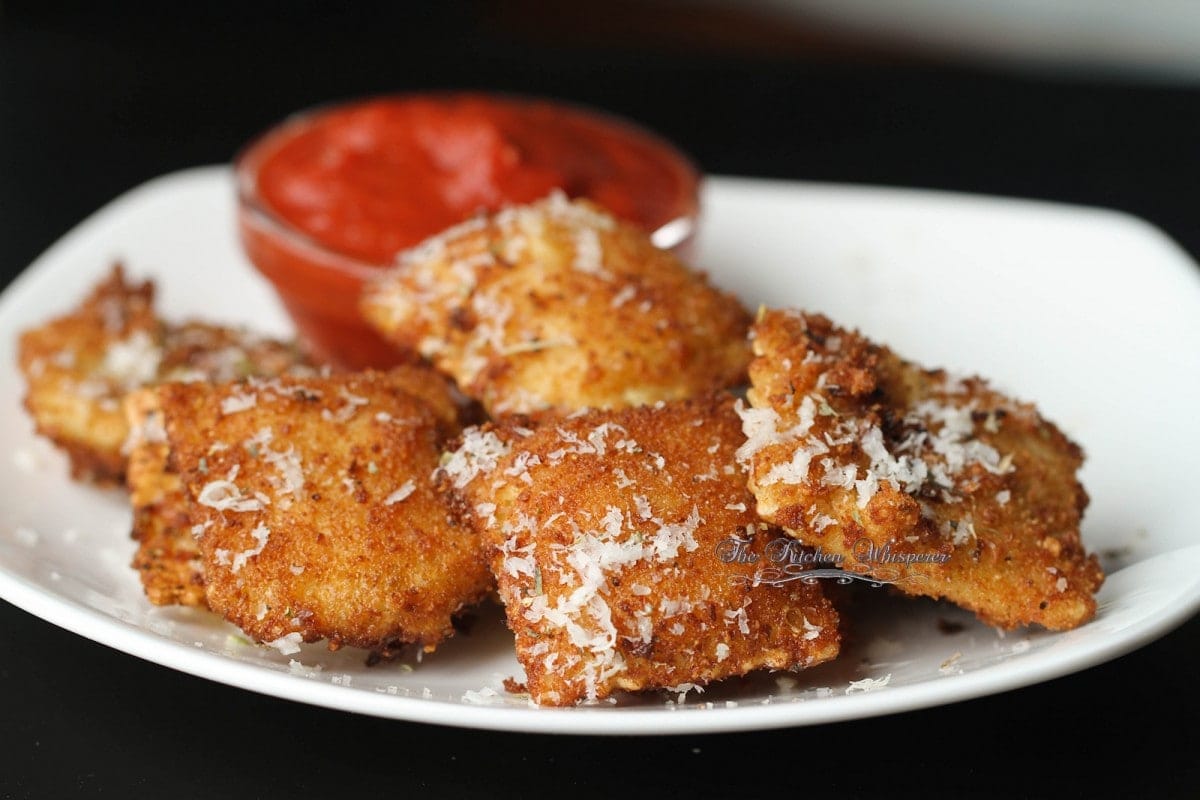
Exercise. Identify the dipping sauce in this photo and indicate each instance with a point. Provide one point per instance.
(329, 196)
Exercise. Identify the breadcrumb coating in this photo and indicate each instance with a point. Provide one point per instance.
(610, 534)
(168, 556)
(944, 484)
(315, 511)
(557, 306)
(80, 366)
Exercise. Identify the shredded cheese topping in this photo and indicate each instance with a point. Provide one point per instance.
(400, 494)
(133, 361)
(940, 446)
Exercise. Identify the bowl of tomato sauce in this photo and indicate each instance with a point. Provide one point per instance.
(329, 197)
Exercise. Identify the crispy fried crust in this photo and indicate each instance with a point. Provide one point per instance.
(74, 390)
(558, 306)
(315, 508)
(197, 351)
(80, 366)
(611, 538)
(168, 556)
(866, 455)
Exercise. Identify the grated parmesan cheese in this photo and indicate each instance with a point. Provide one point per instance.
(348, 409)
(589, 253)
(941, 448)
(869, 684)
(260, 534)
(224, 495)
(479, 453)
(483, 697)
(237, 401)
(400, 494)
(288, 644)
(132, 362)
(622, 297)
(297, 668)
(739, 616)
(290, 478)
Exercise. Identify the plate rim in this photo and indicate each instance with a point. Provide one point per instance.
(600, 720)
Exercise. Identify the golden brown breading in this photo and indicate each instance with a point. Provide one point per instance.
(865, 455)
(611, 534)
(315, 508)
(80, 366)
(168, 556)
(556, 305)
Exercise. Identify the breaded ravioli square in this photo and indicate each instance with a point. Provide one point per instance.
(315, 510)
(943, 483)
(610, 534)
(79, 367)
(558, 306)
(168, 556)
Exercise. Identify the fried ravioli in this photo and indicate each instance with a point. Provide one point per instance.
(610, 535)
(315, 511)
(944, 484)
(168, 557)
(558, 306)
(80, 366)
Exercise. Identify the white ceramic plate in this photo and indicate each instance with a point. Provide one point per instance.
(1094, 314)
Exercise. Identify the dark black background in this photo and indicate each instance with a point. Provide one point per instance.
(94, 100)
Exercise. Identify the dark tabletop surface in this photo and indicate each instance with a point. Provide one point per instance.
(93, 102)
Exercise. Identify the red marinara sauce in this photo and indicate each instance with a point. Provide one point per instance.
(328, 197)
